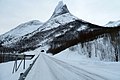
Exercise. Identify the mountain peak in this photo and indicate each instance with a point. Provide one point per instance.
(60, 9)
(59, 6)
(113, 24)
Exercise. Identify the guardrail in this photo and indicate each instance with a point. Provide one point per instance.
(23, 75)
(22, 57)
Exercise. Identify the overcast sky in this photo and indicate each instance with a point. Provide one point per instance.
(15, 12)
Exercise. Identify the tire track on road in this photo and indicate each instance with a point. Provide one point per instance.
(77, 70)
(79, 74)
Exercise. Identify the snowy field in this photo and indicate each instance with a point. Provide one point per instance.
(6, 69)
(67, 65)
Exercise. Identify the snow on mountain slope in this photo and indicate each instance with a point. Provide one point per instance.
(83, 27)
(55, 21)
(101, 49)
(21, 30)
(60, 16)
(113, 24)
(59, 20)
(60, 9)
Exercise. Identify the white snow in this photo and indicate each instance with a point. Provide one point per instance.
(6, 70)
(68, 65)
(83, 27)
(20, 31)
(24, 28)
(57, 21)
(53, 22)
(113, 24)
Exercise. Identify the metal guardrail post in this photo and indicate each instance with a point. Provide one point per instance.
(23, 75)
(24, 62)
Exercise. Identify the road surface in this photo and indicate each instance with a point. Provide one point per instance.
(50, 68)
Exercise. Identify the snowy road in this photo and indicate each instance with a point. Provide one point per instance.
(66, 65)
(50, 68)
(76, 73)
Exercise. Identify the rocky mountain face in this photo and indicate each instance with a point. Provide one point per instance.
(105, 47)
(62, 31)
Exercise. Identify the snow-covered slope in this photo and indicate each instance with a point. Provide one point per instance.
(58, 20)
(21, 30)
(113, 24)
(100, 49)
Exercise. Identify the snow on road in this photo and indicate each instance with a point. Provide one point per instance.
(56, 68)
(108, 70)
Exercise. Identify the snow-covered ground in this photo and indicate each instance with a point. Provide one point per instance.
(6, 69)
(67, 65)
(107, 70)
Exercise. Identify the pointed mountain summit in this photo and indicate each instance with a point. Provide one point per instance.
(60, 9)
(60, 16)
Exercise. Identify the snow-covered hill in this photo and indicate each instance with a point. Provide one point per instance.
(113, 24)
(20, 30)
